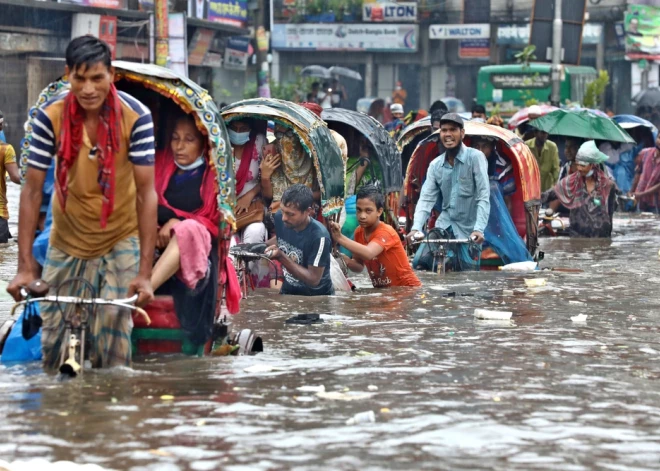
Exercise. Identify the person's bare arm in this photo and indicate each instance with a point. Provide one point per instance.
(14, 174)
(146, 206)
(309, 276)
(269, 164)
(650, 191)
(30, 204)
(353, 264)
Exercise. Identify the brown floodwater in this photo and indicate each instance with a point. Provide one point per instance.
(448, 392)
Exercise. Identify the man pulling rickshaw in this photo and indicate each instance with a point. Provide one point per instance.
(102, 144)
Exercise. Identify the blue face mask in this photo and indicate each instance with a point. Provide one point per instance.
(196, 164)
(239, 138)
(2, 136)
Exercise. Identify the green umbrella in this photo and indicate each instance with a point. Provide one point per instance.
(582, 124)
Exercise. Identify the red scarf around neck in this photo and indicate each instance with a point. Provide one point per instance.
(246, 159)
(107, 146)
(208, 215)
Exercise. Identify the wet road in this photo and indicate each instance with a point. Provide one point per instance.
(448, 391)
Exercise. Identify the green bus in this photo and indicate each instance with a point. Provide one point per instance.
(510, 86)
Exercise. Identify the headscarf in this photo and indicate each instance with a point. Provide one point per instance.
(249, 152)
(296, 167)
(495, 121)
(589, 154)
(313, 107)
(107, 135)
(572, 190)
(208, 215)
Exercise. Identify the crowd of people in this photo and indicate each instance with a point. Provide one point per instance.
(113, 183)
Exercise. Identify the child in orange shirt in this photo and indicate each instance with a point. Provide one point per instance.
(377, 245)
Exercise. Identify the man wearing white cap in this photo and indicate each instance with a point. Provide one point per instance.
(397, 123)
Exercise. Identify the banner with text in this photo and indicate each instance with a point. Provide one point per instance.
(642, 29)
(237, 53)
(474, 31)
(340, 37)
(229, 12)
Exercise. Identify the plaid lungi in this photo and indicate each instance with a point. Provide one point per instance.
(110, 326)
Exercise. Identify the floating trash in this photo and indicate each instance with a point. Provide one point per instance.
(362, 418)
(535, 282)
(579, 318)
(492, 315)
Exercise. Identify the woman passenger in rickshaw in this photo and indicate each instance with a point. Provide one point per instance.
(288, 165)
(248, 141)
(501, 234)
(188, 219)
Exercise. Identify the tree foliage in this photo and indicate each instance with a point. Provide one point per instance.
(595, 90)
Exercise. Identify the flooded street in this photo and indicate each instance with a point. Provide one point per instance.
(447, 391)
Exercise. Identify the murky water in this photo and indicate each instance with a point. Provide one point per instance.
(448, 391)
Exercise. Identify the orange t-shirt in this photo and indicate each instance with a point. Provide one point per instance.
(391, 267)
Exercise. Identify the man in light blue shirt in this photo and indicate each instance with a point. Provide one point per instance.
(457, 182)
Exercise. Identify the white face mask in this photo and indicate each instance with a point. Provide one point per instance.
(196, 164)
(238, 138)
(590, 173)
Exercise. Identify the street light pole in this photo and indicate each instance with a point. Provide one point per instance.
(557, 24)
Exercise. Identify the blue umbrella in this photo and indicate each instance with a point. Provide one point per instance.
(629, 121)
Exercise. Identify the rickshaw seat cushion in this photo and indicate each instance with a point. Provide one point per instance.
(162, 314)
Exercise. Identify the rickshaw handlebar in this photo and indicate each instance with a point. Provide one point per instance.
(128, 303)
(444, 241)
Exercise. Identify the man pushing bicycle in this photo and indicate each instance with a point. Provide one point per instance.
(104, 215)
(458, 182)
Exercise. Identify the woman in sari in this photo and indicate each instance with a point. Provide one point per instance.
(589, 194)
(188, 220)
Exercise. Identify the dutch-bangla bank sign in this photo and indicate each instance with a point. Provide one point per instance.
(470, 31)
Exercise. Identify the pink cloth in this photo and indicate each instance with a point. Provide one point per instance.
(233, 293)
(194, 248)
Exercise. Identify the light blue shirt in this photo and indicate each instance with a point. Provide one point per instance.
(465, 193)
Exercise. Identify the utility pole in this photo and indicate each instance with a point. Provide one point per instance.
(162, 32)
(263, 72)
(557, 24)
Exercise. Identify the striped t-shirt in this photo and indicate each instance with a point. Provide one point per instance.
(78, 231)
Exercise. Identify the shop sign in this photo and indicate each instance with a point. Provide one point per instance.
(389, 11)
(236, 53)
(114, 4)
(178, 52)
(520, 80)
(592, 33)
(199, 46)
(474, 49)
(102, 27)
(345, 37)
(469, 31)
(229, 12)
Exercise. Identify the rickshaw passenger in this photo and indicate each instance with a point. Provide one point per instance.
(500, 168)
(290, 165)
(188, 219)
(103, 215)
(248, 142)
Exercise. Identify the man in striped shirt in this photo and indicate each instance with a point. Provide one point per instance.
(101, 142)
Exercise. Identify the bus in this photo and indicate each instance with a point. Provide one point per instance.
(508, 87)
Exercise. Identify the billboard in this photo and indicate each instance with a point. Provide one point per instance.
(642, 32)
(229, 12)
(389, 11)
(461, 31)
(345, 37)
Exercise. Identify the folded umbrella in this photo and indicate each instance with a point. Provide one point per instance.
(583, 124)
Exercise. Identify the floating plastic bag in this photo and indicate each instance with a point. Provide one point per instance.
(339, 281)
(16, 347)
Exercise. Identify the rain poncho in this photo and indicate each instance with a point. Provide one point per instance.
(501, 234)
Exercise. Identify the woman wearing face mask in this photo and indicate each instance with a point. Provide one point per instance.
(188, 227)
(247, 143)
(589, 194)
